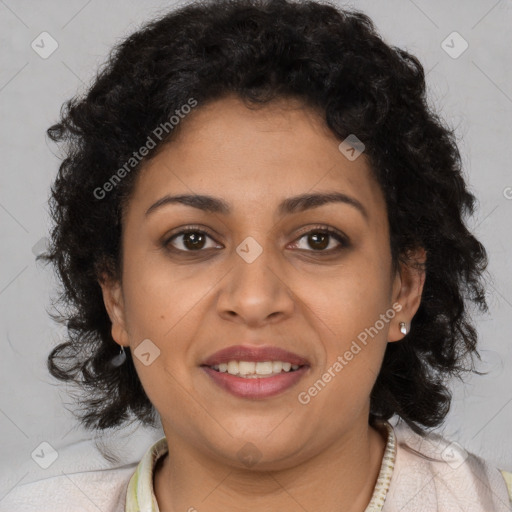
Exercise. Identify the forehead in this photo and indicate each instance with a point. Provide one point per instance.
(255, 156)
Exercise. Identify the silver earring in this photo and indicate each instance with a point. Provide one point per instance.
(403, 328)
(119, 359)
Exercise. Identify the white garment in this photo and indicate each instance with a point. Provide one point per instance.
(91, 491)
(452, 480)
(416, 484)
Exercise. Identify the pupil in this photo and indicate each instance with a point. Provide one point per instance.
(324, 238)
(192, 240)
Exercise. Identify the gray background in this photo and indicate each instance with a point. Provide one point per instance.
(473, 92)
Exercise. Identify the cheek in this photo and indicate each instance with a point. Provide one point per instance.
(352, 298)
(161, 299)
(352, 325)
(352, 316)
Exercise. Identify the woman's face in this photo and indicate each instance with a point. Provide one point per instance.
(258, 279)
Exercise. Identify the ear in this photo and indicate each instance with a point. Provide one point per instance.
(114, 304)
(407, 289)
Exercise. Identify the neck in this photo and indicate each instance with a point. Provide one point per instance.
(342, 477)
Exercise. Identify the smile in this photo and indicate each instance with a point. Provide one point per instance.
(252, 369)
(255, 380)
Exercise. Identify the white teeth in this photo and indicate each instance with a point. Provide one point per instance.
(233, 367)
(245, 367)
(265, 368)
(252, 370)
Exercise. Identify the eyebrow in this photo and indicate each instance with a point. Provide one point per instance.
(287, 206)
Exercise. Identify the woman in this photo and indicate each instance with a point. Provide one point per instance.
(260, 227)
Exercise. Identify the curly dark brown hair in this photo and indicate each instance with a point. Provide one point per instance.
(334, 61)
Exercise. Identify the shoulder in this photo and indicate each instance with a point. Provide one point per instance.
(433, 473)
(86, 474)
(103, 490)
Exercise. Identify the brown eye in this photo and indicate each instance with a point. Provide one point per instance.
(189, 240)
(194, 241)
(319, 240)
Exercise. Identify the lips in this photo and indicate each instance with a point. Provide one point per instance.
(259, 388)
(254, 354)
(262, 386)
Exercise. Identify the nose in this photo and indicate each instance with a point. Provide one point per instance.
(256, 291)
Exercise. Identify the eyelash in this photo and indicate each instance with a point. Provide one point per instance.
(342, 239)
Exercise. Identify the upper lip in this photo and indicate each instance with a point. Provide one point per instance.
(254, 354)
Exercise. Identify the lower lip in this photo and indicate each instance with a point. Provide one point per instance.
(261, 387)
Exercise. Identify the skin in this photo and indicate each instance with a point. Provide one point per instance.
(192, 304)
